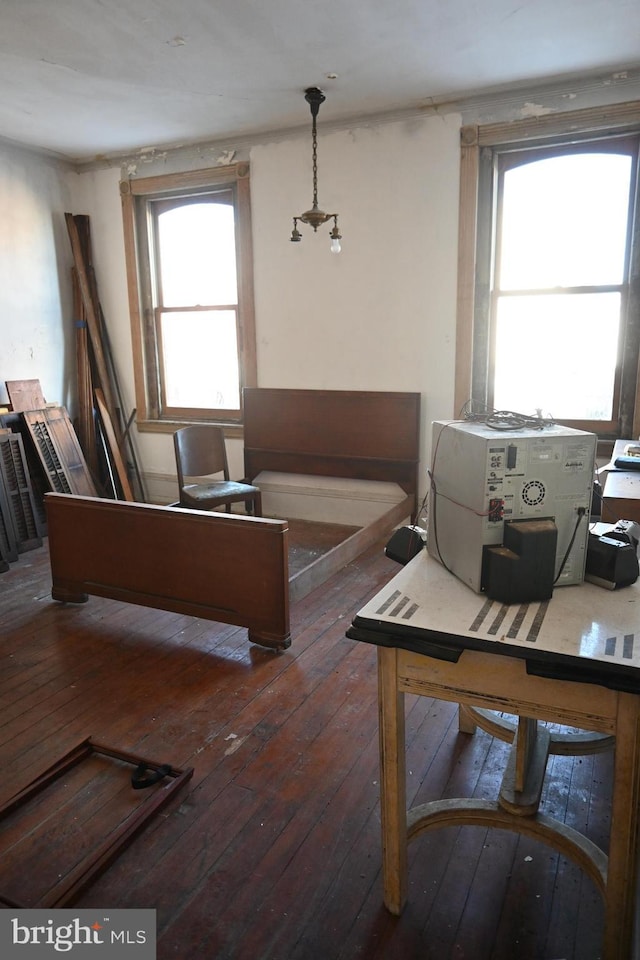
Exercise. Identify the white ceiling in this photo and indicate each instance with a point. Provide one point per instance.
(85, 78)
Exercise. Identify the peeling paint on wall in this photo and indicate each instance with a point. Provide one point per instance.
(149, 155)
(534, 110)
(180, 158)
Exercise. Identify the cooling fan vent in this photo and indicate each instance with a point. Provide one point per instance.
(533, 492)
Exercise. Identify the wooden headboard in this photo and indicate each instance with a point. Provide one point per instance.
(370, 435)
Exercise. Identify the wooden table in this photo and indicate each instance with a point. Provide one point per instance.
(574, 660)
(621, 494)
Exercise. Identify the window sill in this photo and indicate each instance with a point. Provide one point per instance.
(170, 426)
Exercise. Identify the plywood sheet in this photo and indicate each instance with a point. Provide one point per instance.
(25, 395)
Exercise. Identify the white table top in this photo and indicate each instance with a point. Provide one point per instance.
(584, 632)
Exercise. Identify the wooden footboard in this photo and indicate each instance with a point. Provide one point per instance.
(224, 567)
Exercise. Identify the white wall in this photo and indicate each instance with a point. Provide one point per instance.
(36, 322)
(378, 316)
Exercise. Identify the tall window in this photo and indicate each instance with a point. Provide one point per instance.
(189, 264)
(554, 311)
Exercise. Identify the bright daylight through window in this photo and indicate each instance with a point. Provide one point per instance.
(188, 244)
(198, 302)
(548, 318)
(560, 276)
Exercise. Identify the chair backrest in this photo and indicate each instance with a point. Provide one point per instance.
(200, 451)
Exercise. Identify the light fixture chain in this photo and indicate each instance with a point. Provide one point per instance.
(314, 139)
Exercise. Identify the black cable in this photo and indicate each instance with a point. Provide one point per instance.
(433, 522)
(581, 513)
(509, 420)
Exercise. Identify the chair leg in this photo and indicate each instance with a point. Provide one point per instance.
(257, 505)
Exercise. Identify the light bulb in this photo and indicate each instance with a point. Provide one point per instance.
(335, 245)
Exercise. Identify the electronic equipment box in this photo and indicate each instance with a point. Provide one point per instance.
(483, 478)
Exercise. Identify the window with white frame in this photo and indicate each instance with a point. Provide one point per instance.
(188, 246)
(549, 312)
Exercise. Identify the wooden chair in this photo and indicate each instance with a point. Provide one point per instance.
(201, 452)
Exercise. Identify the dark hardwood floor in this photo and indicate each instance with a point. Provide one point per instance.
(272, 850)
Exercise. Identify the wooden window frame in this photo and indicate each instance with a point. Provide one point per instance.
(478, 142)
(135, 195)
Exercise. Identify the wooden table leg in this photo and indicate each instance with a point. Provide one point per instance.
(393, 787)
(621, 894)
(467, 719)
(523, 780)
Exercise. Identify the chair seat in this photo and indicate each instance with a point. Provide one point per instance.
(221, 491)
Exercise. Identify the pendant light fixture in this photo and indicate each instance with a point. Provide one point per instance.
(316, 217)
